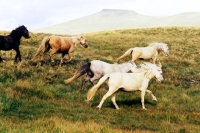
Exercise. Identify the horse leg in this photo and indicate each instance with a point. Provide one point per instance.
(69, 56)
(142, 99)
(18, 55)
(1, 60)
(51, 56)
(154, 58)
(135, 56)
(62, 59)
(44, 53)
(153, 97)
(84, 81)
(114, 101)
(109, 93)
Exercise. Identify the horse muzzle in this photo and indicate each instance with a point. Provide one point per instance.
(85, 45)
(166, 53)
(27, 37)
(161, 80)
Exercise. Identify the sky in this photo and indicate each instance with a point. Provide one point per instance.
(35, 14)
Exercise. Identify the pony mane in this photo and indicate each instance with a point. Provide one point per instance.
(17, 30)
(144, 67)
(152, 44)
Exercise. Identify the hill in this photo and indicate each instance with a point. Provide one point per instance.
(113, 19)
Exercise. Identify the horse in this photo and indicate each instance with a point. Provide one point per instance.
(95, 69)
(146, 53)
(58, 44)
(128, 82)
(12, 41)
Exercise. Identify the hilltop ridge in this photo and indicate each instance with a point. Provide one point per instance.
(114, 19)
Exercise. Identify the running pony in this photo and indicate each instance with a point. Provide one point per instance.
(64, 45)
(95, 69)
(146, 53)
(12, 41)
(128, 82)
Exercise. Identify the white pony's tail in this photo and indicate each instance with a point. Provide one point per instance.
(41, 47)
(93, 90)
(128, 52)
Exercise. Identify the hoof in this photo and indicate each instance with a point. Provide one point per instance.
(41, 63)
(144, 108)
(98, 108)
(154, 99)
(53, 63)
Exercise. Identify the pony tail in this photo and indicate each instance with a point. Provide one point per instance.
(128, 52)
(93, 90)
(41, 47)
(82, 70)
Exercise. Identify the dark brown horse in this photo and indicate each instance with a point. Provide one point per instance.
(64, 45)
(12, 41)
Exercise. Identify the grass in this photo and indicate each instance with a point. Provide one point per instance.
(34, 98)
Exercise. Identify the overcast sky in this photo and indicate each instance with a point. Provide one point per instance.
(36, 14)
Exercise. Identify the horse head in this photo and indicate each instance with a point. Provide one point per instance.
(165, 50)
(153, 71)
(83, 41)
(24, 31)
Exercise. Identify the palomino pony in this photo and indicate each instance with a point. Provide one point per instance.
(64, 45)
(129, 82)
(12, 41)
(146, 53)
(95, 69)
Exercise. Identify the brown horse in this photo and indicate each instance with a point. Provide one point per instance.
(64, 45)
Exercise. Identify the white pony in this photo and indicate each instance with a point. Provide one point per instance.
(128, 82)
(95, 69)
(146, 53)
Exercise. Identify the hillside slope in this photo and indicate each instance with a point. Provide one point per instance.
(110, 19)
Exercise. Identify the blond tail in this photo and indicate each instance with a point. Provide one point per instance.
(82, 70)
(41, 47)
(128, 52)
(93, 90)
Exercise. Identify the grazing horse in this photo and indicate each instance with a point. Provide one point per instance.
(128, 82)
(12, 41)
(146, 53)
(64, 45)
(95, 69)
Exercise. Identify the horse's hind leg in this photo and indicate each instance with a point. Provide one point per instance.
(44, 53)
(88, 78)
(51, 55)
(1, 60)
(135, 56)
(62, 59)
(114, 101)
(84, 81)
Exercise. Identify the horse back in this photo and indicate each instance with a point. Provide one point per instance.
(143, 52)
(60, 43)
(7, 43)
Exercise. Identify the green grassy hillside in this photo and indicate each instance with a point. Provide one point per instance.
(34, 98)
